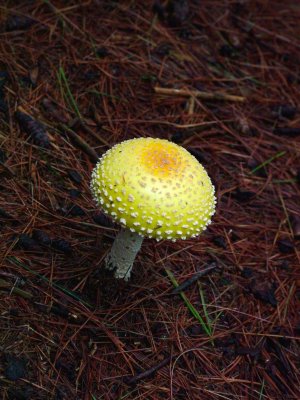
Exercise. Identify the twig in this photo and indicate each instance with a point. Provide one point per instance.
(87, 129)
(191, 105)
(14, 290)
(81, 143)
(194, 278)
(248, 24)
(148, 372)
(7, 168)
(199, 94)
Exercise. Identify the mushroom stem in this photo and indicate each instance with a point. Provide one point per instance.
(123, 253)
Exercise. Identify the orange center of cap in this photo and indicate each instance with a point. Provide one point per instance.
(161, 161)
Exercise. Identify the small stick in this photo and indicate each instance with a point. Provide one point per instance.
(84, 146)
(84, 126)
(134, 379)
(14, 290)
(194, 278)
(7, 168)
(191, 105)
(199, 94)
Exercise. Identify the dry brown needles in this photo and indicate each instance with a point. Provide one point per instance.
(86, 72)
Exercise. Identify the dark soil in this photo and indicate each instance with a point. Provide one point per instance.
(77, 77)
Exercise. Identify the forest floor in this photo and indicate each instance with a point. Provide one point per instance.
(77, 78)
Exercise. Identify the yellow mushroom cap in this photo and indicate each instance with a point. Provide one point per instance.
(155, 188)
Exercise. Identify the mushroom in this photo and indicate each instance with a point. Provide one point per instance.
(155, 189)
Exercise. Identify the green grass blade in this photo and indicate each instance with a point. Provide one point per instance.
(268, 161)
(100, 94)
(208, 320)
(62, 79)
(189, 305)
(262, 390)
(15, 261)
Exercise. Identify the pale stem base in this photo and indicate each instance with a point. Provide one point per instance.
(123, 253)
